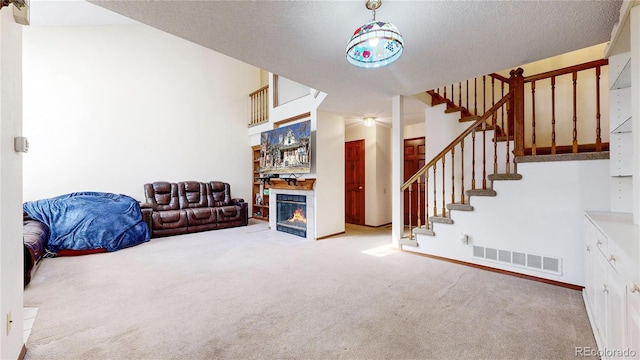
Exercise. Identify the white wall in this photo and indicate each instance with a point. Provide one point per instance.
(542, 214)
(383, 176)
(289, 90)
(109, 108)
(11, 257)
(414, 130)
(329, 187)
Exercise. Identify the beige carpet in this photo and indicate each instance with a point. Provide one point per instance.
(255, 293)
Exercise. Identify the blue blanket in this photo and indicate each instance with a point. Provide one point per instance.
(90, 220)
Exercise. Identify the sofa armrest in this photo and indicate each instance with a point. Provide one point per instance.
(244, 210)
(146, 206)
(147, 216)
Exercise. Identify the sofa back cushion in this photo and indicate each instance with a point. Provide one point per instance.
(192, 194)
(162, 195)
(220, 193)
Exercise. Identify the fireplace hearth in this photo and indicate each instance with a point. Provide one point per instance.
(291, 213)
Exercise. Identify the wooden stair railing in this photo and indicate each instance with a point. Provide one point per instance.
(259, 100)
(439, 183)
(566, 128)
(473, 98)
(562, 126)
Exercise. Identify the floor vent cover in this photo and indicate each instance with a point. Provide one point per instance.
(531, 261)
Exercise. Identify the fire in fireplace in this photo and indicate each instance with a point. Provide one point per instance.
(291, 214)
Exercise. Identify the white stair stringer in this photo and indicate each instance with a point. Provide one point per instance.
(541, 214)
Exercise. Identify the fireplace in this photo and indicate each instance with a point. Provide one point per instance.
(291, 214)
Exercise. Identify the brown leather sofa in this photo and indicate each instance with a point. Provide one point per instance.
(34, 236)
(191, 206)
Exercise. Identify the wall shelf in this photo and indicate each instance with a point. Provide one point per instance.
(301, 184)
(259, 211)
(623, 128)
(624, 78)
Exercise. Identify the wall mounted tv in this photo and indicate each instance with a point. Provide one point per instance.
(286, 150)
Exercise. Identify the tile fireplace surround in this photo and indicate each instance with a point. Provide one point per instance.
(311, 214)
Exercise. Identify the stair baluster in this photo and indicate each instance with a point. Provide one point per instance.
(553, 115)
(462, 172)
(453, 175)
(533, 118)
(598, 137)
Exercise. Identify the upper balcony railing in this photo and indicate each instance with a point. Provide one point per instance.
(259, 100)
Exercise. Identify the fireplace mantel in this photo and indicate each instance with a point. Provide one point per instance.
(300, 184)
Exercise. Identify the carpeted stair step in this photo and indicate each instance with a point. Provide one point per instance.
(494, 177)
(409, 242)
(469, 118)
(453, 109)
(504, 138)
(486, 128)
(424, 231)
(460, 207)
(436, 99)
(441, 219)
(481, 192)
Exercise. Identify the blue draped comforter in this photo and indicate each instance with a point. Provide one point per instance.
(90, 220)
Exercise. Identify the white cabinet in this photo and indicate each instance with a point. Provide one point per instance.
(611, 278)
(633, 316)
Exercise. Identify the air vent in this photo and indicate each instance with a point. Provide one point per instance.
(534, 261)
(504, 256)
(478, 251)
(519, 259)
(491, 254)
(530, 261)
(551, 264)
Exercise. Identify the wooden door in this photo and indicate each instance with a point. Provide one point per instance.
(354, 182)
(414, 150)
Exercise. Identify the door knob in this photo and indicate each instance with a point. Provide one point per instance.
(359, 187)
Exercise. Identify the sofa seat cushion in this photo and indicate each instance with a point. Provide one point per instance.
(192, 194)
(169, 219)
(228, 213)
(201, 216)
(219, 194)
(162, 195)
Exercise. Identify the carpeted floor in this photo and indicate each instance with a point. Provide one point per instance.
(255, 293)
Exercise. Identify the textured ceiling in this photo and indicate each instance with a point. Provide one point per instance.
(446, 41)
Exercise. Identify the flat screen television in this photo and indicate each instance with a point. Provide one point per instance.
(286, 150)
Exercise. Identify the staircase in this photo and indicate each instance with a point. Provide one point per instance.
(483, 161)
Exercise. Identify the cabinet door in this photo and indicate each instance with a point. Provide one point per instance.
(633, 322)
(590, 268)
(616, 312)
(600, 290)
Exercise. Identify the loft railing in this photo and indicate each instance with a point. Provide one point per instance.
(568, 117)
(259, 100)
(560, 109)
(562, 114)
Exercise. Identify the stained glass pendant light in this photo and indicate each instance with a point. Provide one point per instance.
(376, 43)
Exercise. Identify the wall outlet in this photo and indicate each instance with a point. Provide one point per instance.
(9, 321)
(464, 238)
